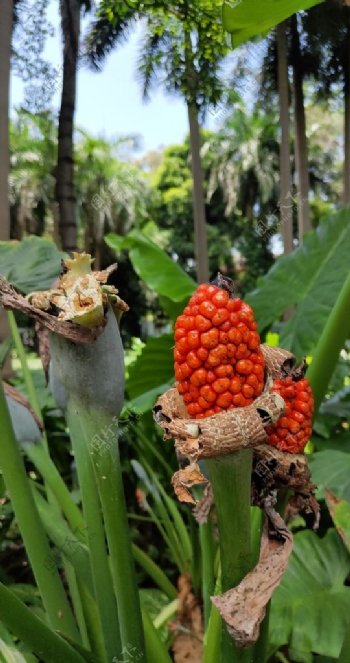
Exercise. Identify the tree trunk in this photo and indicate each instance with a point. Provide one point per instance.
(301, 149)
(6, 18)
(65, 190)
(285, 203)
(346, 170)
(200, 228)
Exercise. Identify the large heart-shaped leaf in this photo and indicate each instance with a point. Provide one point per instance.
(246, 19)
(32, 264)
(310, 608)
(340, 514)
(154, 266)
(331, 469)
(338, 405)
(151, 373)
(311, 278)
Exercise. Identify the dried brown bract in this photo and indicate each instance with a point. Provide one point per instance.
(243, 608)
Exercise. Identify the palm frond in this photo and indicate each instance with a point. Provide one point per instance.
(150, 61)
(106, 33)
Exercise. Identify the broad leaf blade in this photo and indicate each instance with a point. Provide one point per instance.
(32, 264)
(247, 19)
(310, 277)
(151, 373)
(154, 266)
(331, 469)
(340, 514)
(310, 608)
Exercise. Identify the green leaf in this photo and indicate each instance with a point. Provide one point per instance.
(331, 469)
(32, 264)
(246, 19)
(310, 608)
(24, 425)
(10, 654)
(5, 348)
(334, 442)
(151, 373)
(340, 514)
(311, 278)
(338, 405)
(154, 266)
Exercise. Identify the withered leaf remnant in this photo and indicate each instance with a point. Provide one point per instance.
(243, 608)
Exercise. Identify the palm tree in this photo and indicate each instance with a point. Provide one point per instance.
(244, 161)
(112, 193)
(183, 46)
(65, 190)
(6, 20)
(65, 193)
(285, 203)
(300, 145)
(33, 146)
(327, 35)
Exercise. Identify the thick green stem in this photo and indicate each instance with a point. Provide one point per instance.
(345, 652)
(231, 481)
(100, 569)
(24, 364)
(64, 539)
(207, 556)
(34, 538)
(48, 470)
(106, 463)
(212, 636)
(88, 380)
(74, 594)
(40, 638)
(331, 341)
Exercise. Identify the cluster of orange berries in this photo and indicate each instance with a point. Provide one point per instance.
(218, 361)
(219, 365)
(292, 431)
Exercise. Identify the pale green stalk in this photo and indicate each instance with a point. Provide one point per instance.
(231, 482)
(32, 532)
(40, 638)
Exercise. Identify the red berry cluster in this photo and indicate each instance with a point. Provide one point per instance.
(218, 361)
(292, 431)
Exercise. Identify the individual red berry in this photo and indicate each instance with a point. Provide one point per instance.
(179, 333)
(247, 391)
(224, 400)
(221, 298)
(207, 309)
(236, 386)
(193, 339)
(221, 385)
(192, 360)
(202, 323)
(210, 338)
(202, 354)
(217, 352)
(220, 316)
(208, 393)
(198, 378)
(292, 431)
(182, 345)
(224, 371)
(244, 366)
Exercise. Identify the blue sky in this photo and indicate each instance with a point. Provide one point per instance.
(110, 103)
